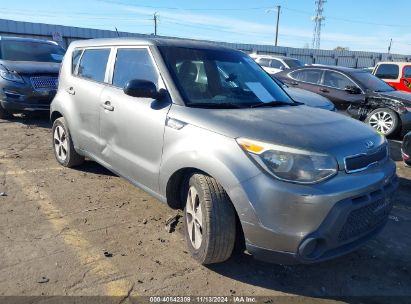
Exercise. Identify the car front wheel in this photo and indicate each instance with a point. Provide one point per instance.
(63, 146)
(4, 114)
(209, 220)
(384, 120)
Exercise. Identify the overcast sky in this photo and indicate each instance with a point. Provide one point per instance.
(366, 25)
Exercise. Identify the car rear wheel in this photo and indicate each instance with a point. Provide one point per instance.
(209, 220)
(384, 120)
(63, 146)
(3, 113)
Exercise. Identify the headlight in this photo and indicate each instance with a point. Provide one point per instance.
(10, 76)
(290, 164)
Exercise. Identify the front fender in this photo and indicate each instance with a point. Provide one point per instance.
(217, 155)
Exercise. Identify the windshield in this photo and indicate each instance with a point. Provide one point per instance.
(221, 78)
(372, 83)
(19, 50)
(293, 63)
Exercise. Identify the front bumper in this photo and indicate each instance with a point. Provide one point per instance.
(288, 223)
(22, 97)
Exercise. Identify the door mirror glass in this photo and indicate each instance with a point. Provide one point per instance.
(352, 90)
(143, 89)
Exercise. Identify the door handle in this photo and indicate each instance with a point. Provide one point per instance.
(71, 91)
(294, 83)
(324, 91)
(107, 106)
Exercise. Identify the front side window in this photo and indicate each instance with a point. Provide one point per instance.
(21, 50)
(220, 78)
(308, 75)
(407, 72)
(93, 64)
(387, 71)
(133, 64)
(336, 80)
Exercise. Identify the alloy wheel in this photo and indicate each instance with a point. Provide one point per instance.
(194, 218)
(60, 143)
(382, 121)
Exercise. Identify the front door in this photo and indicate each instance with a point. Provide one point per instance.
(132, 128)
(333, 87)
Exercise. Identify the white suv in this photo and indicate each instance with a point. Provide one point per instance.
(275, 64)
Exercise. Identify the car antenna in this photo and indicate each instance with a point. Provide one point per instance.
(118, 35)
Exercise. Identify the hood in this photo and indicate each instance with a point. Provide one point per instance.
(31, 67)
(309, 98)
(293, 126)
(403, 96)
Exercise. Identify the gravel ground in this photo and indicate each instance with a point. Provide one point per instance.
(87, 232)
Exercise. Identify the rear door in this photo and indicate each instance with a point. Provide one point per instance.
(132, 128)
(85, 87)
(307, 79)
(333, 87)
(390, 73)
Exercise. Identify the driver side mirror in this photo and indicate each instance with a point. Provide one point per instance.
(352, 90)
(143, 89)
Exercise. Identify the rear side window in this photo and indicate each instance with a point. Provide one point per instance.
(93, 64)
(387, 71)
(407, 72)
(264, 62)
(309, 75)
(276, 64)
(133, 64)
(75, 59)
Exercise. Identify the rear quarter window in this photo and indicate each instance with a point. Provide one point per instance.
(75, 60)
(93, 64)
(387, 71)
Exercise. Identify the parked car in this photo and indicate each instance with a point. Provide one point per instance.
(396, 74)
(364, 96)
(240, 160)
(406, 149)
(306, 97)
(28, 74)
(275, 64)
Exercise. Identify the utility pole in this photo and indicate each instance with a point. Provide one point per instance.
(389, 47)
(278, 22)
(318, 21)
(155, 23)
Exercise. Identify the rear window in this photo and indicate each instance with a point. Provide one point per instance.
(21, 50)
(93, 64)
(387, 71)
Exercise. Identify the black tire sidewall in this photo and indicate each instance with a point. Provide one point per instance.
(4, 114)
(393, 114)
(199, 253)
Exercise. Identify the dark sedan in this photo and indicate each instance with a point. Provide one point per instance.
(364, 96)
(406, 149)
(28, 74)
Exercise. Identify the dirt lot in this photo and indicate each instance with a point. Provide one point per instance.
(56, 224)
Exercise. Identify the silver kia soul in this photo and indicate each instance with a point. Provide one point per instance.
(203, 128)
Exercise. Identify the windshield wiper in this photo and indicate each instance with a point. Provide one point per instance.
(215, 105)
(275, 103)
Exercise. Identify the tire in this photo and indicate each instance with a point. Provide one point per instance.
(63, 146)
(209, 214)
(407, 163)
(384, 120)
(4, 114)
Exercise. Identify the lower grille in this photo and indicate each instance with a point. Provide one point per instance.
(364, 219)
(44, 82)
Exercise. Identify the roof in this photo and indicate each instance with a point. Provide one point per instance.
(334, 68)
(147, 41)
(26, 39)
(399, 63)
(270, 56)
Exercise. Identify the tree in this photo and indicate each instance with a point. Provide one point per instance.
(341, 48)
